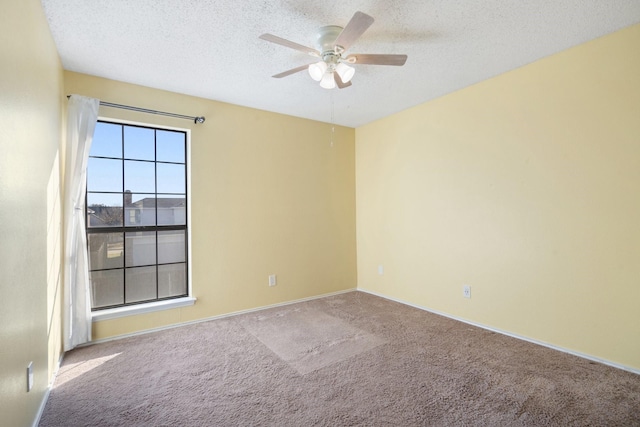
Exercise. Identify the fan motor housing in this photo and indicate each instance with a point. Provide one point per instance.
(326, 39)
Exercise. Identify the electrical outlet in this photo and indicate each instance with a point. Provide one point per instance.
(29, 376)
(466, 291)
(381, 269)
(272, 280)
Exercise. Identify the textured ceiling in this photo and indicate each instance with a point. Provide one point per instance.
(211, 48)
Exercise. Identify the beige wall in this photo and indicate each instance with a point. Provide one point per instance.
(270, 195)
(527, 188)
(30, 248)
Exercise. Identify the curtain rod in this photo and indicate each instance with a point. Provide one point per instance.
(199, 119)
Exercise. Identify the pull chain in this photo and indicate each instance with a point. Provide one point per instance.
(333, 126)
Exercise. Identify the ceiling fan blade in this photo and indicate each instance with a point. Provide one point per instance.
(354, 29)
(339, 82)
(284, 42)
(376, 59)
(291, 71)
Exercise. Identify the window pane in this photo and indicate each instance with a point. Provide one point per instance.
(170, 146)
(139, 177)
(141, 248)
(104, 175)
(139, 143)
(107, 287)
(104, 210)
(172, 280)
(107, 140)
(172, 210)
(171, 178)
(140, 209)
(106, 250)
(141, 284)
(171, 246)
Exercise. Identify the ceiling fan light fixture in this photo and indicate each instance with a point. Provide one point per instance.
(328, 81)
(332, 44)
(345, 72)
(317, 70)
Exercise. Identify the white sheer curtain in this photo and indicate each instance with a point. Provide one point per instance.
(82, 114)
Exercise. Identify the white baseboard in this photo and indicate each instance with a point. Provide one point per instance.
(43, 403)
(221, 316)
(510, 334)
(47, 392)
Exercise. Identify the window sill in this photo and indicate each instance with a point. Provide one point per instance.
(114, 313)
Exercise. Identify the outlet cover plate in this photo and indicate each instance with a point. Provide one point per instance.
(466, 291)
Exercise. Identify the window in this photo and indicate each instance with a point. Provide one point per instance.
(136, 212)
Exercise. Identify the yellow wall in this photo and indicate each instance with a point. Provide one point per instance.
(30, 216)
(524, 187)
(527, 188)
(270, 195)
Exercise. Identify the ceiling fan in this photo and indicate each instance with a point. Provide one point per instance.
(333, 41)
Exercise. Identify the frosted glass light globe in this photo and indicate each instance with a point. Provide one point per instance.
(345, 72)
(328, 81)
(317, 70)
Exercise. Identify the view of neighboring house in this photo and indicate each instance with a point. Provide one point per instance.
(170, 211)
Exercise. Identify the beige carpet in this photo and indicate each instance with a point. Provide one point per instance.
(307, 338)
(352, 359)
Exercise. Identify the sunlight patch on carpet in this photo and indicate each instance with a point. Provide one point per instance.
(72, 371)
(308, 339)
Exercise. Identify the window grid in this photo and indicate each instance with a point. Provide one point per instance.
(126, 229)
